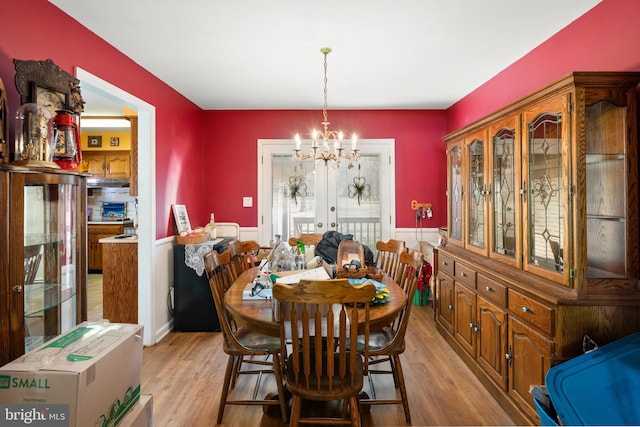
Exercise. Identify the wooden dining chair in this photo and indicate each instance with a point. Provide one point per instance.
(240, 344)
(317, 319)
(388, 256)
(309, 239)
(387, 344)
(243, 254)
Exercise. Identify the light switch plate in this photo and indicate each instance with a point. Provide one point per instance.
(247, 202)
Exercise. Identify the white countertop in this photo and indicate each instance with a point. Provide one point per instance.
(127, 239)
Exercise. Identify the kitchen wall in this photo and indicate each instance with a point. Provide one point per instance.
(95, 197)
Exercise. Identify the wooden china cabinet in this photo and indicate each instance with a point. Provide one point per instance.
(44, 268)
(543, 233)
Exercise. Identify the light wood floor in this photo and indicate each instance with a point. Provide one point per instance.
(94, 297)
(184, 373)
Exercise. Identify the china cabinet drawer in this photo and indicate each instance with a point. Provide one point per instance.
(531, 311)
(492, 290)
(445, 264)
(465, 274)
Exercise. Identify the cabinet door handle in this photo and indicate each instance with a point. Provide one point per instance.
(17, 289)
(527, 310)
(509, 356)
(489, 289)
(450, 307)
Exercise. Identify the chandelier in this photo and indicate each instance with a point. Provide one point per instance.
(328, 137)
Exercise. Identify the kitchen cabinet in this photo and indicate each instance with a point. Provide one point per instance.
(543, 213)
(120, 280)
(97, 232)
(107, 164)
(43, 273)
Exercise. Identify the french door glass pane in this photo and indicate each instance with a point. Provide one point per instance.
(293, 198)
(358, 201)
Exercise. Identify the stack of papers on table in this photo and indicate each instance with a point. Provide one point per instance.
(254, 292)
(314, 274)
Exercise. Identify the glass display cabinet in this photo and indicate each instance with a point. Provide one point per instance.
(544, 242)
(44, 277)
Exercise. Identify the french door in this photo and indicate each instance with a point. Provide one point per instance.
(307, 197)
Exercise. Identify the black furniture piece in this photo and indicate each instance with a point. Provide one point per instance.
(194, 309)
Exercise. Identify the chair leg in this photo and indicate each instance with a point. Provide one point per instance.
(296, 406)
(236, 369)
(225, 388)
(392, 363)
(277, 370)
(354, 411)
(403, 388)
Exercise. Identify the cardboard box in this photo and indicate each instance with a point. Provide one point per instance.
(141, 415)
(95, 369)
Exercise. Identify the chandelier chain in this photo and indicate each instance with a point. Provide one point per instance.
(327, 155)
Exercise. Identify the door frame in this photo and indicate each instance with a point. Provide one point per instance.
(387, 182)
(146, 193)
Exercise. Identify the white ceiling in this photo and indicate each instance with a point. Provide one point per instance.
(259, 54)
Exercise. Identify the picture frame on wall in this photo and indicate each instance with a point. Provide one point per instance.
(181, 218)
(94, 141)
(114, 141)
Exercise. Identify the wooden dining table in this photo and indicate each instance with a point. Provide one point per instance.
(258, 314)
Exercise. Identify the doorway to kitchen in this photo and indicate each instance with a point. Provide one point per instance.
(146, 184)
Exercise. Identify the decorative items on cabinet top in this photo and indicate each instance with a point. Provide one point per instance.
(47, 123)
(45, 81)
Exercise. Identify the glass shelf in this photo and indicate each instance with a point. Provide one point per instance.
(40, 297)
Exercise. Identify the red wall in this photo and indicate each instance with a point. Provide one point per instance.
(606, 38)
(26, 33)
(420, 156)
(196, 152)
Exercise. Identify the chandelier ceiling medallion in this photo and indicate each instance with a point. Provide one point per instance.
(330, 157)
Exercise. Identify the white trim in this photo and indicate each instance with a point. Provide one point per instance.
(146, 193)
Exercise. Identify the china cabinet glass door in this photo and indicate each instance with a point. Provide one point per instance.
(46, 276)
(505, 203)
(455, 189)
(546, 200)
(606, 177)
(477, 193)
